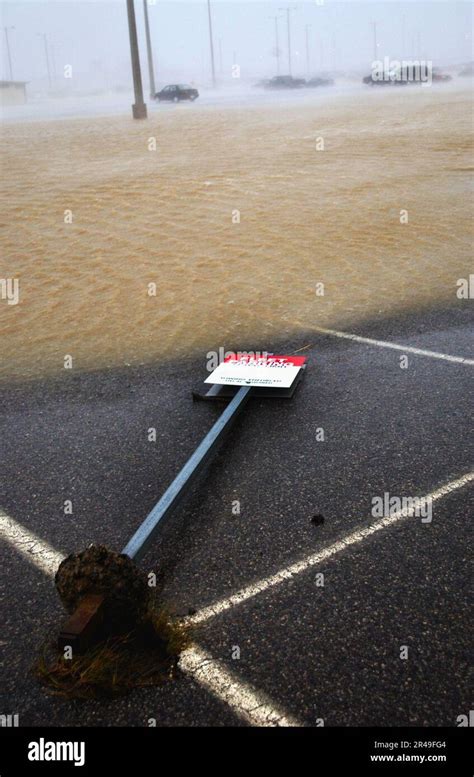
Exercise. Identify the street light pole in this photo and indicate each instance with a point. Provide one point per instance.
(8, 51)
(221, 65)
(139, 107)
(289, 40)
(374, 24)
(151, 70)
(45, 40)
(288, 9)
(211, 43)
(307, 29)
(53, 61)
(277, 44)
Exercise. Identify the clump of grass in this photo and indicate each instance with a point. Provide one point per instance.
(146, 656)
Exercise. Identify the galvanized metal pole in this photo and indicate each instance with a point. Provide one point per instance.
(288, 23)
(53, 60)
(8, 51)
(307, 29)
(211, 42)
(374, 26)
(47, 60)
(45, 40)
(289, 40)
(277, 45)
(141, 540)
(151, 70)
(139, 107)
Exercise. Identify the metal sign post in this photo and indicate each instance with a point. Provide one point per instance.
(271, 376)
(139, 543)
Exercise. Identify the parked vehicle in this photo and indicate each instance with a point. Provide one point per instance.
(388, 79)
(285, 82)
(440, 77)
(413, 73)
(320, 82)
(468, 70)
(177, 92)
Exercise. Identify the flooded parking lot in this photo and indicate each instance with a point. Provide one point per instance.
(231, 226)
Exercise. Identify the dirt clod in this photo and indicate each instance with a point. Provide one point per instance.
(98, 570)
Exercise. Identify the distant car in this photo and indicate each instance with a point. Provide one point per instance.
(320, 82)
(177, 92)
(284, 82)
(387, 79)
(440, 77)
(468, 70)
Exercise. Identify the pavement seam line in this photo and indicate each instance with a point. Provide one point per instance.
(395, 346)
(249, 704)
(249, 591)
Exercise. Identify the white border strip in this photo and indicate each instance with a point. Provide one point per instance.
(386, 344)
(323, 555)
(246, 702)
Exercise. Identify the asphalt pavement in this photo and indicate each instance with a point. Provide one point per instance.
(321, 652)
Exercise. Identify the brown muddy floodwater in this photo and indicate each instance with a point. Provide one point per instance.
(166, 216)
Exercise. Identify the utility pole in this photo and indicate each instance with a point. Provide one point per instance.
(7, 42)
(288, 9)
(211, 44)
(307, 29)
(418, 45)
(151, 71)
(138, 108)
(289, 40)
(45, 40)
(221, 66)
(53, 61)
(277, 43)
(374, 26)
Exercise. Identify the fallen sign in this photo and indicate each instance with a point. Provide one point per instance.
(279, 374)
(263, 371)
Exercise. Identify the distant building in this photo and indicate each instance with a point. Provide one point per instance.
(13, 92)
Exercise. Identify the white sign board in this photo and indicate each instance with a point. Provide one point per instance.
(264, 371)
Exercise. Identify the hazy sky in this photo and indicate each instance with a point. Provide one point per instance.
(93, 36)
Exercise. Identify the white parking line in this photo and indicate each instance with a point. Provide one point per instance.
(246, 702)
(250, 705)
(31, 547)
(386, 344)
(323, 555)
